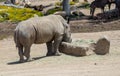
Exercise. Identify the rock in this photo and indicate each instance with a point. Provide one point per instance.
(91, 48)
(12, 1)
(38, 8)
(27, 2)
(102, 46)
(73, 8)
(16, 2)
(108, 14)
(74, 50)
(8, 2)
(12, 5)
(62, 13)
(46, 9)
(77, 13)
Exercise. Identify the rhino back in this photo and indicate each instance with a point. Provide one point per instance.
(40, 29)
(47, 28)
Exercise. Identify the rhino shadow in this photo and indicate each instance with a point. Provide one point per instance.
(33, 59)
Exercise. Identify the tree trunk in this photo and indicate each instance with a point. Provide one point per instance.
(66, 7)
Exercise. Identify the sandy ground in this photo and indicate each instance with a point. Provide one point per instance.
(64, 65)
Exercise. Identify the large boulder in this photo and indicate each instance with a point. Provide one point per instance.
(74, 50)
(102, 46)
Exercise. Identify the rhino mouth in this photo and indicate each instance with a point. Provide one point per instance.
(69, 40)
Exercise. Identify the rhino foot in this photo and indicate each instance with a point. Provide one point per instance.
(54, 54)
(28, 60)
(21, 61)
(57, 54)
(49, 54)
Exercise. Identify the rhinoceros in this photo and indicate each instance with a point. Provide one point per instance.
(52, 30)
(117, 3)
(100, 4)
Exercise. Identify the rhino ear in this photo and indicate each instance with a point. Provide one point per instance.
(66, 26)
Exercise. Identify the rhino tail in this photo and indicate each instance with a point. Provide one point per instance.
(16, 38)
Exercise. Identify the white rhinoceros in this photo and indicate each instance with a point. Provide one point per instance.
(50, 29)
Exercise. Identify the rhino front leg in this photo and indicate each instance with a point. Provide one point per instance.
(20, 52)
(49, 48)
(57, 42)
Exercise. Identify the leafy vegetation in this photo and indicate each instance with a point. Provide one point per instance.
(75, 1)
(72, 3)
(2, 0)
(84, 5)
(82, 41)
(13, 14)
(51, 11)
(60, 3)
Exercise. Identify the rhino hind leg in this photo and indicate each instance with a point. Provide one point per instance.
(20, 52)
(27, 53)
(49, 48)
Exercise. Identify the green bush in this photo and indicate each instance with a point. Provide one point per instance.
(52, 11)
(82, 42)
(84, 5)
(60, 3)
(72, 3)
(16, 14)
(2, 0)
(75, 1)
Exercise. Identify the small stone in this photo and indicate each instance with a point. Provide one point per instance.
(95, 63)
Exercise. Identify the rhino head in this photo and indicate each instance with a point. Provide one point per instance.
(67, 34)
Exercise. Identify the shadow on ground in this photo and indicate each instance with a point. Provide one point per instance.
(33, 59)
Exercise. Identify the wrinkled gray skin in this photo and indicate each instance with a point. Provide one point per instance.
(50, 29)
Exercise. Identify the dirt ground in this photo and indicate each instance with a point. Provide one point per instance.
(64, 65)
